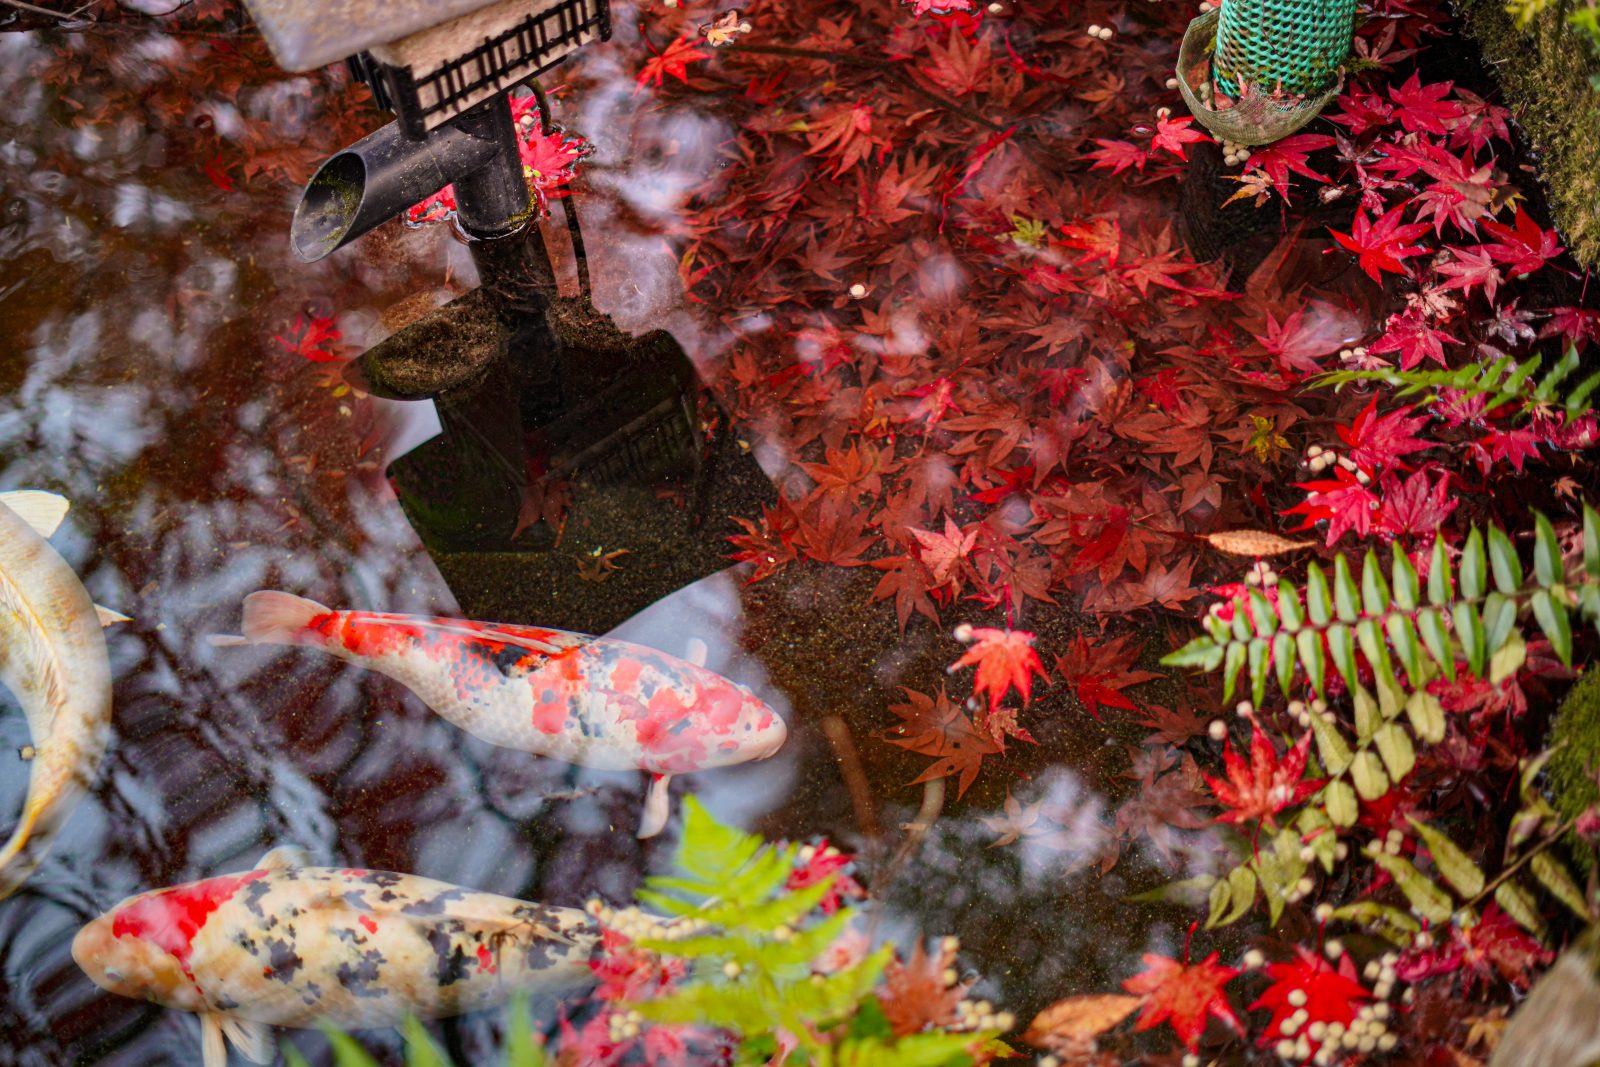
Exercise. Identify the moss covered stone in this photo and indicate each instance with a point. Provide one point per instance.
(1576, 738)
(1544, 71)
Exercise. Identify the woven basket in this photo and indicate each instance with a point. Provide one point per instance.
(1260, 114)
(1295, 46)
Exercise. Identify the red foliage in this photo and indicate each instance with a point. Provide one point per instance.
(1310, 984)
(1005, 660)
(1264, 786)
(1184, 995)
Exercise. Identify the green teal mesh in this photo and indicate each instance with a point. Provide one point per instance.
(1297, 45)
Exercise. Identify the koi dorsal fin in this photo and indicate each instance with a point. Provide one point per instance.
(42, 511)
(283, 858)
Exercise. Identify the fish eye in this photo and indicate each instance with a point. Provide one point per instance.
(113, 976)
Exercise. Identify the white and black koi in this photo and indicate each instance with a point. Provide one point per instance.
(294, 945)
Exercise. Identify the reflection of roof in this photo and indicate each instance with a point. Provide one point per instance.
(305, 34)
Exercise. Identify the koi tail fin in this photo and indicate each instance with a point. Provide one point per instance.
(273, 618)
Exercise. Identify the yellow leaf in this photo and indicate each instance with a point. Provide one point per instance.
(1080, 1019)
(1253, 543)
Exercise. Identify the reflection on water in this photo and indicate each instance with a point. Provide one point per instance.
(146, 277)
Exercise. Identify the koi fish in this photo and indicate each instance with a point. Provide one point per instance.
(53, 659)
(594, 701)
(293, 945)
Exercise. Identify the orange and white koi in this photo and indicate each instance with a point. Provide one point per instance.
(288, 944)
(53, 659)
(595, 701)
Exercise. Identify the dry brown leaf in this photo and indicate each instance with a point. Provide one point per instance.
(1253, 543)
(1077, 1020)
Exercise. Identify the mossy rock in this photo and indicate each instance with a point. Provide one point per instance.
(1545, 73)
(1576, 738)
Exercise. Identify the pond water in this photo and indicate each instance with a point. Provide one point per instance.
(154, 324)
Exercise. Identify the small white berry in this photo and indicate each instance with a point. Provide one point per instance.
(1217, 730)
(858, 290)
(1094, 29)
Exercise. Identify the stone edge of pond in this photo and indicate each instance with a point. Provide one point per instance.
(1544, 73)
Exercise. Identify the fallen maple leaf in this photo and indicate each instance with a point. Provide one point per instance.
(672, 62)
(1264, 786)
(1325, 995)
(934, 726)
(915, 996)
(1381, 245)
(1381, 440)
(315, 339)
(1183, 995)
(1172, 134)
(1004, 658)
(1099, 673)
(1342, 501)
(1524, 249)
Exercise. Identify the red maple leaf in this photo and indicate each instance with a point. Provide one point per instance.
(1380, 440)
(1265, 785)
(1409, 334)
(1118, 155)
(1004, 658)
(1280, 158)
(1326, 995)
(1173, 134)
(1524, 249)
(1381, 245)
(1471, 268)
(673, 61)
(1514, 446)
(1423, 108)
(1578, 325)
(1299, 339)
(933, 726)
(938, 7)
(1099, 238)
(316, 339)
(1184, 995)
(1417, 507)
(1099, 673)
(945, 555)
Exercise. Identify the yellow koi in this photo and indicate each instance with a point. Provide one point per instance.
(53, 659)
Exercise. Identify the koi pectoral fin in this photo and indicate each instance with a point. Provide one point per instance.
(213, 1049)
(657, 806)
(696, 652)
(253, 1040)
(109, 616)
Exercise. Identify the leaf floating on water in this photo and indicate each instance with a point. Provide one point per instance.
(1253, 543)
(1079, 1019)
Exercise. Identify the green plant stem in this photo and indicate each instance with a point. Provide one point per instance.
(1551, 838)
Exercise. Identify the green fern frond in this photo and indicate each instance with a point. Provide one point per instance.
(1502, 381)
(1470, 616)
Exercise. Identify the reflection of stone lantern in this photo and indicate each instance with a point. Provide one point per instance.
(443, 68)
